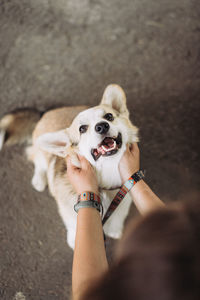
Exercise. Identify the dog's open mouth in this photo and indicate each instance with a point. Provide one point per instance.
(109, 146)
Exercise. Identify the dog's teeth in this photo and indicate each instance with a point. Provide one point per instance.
(109, 149)
(113, 147)
(104, 149)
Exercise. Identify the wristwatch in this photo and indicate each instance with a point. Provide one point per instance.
(88, 199)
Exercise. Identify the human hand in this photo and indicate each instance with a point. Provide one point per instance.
(84, 178)
(130, 162)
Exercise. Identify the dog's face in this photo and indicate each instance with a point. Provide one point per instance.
(100, 130)
(100, 134)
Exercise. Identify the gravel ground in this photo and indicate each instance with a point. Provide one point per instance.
(65, 52)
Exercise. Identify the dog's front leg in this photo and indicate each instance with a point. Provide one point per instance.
(39, 180)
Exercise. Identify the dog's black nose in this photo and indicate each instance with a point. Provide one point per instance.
(102, 127)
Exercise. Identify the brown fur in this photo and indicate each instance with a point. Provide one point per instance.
(57, 134)
(57, 119)
(19, 125)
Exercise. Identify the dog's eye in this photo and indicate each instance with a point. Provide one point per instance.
(83, 128)
(109, 117)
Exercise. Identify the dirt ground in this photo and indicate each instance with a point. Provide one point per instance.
(65, 52)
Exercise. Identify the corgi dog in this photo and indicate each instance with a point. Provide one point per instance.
(100, 134)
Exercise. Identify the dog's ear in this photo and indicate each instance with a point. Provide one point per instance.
(55, 142)
(115, 97)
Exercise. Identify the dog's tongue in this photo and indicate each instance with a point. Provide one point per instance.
(107, 145)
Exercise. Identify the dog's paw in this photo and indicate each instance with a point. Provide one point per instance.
(39, 183)
(71, 239)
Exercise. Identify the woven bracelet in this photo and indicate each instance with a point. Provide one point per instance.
(88, 199)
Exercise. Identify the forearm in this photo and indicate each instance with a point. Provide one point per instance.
(144, 198)
(89, 260)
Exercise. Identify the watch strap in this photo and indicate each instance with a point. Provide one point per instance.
(89, 199)
(137, 176)
(87, 203)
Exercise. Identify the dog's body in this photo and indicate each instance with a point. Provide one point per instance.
(100, 134)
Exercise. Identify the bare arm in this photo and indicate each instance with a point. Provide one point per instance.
(89, 261)
(143, 197)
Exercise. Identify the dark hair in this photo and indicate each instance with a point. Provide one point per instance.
(159, 258)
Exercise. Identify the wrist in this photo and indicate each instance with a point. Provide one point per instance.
(134, 179)
(89, 200)
(139, 185)
(139, 188)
